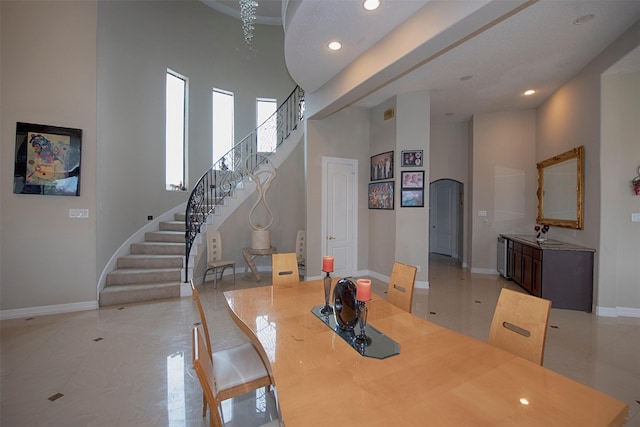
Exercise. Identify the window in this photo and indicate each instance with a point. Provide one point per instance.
(175, 133)
(222, 102)
(266, 124)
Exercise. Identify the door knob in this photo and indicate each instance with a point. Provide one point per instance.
(331, 238)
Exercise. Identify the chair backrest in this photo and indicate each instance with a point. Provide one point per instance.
(301, 246)
(520, 324)
(203, 319)
(284, 269)
(401, 284)
(204, 369)
(214, 246)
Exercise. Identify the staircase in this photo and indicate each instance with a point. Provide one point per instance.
(156, 264)
(152, 270)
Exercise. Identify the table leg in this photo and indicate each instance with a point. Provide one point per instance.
(249, 261)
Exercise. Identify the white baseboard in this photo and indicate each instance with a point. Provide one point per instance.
(48, 309)
(420, 284)
(485, 271)
(617, 311)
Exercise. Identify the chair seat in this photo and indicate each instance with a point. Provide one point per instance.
(220, 263)
(226, 362)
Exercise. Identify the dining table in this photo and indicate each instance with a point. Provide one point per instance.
(439, 377)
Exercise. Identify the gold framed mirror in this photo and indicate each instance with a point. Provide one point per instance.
(560, 190)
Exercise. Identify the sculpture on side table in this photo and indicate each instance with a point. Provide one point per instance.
(260, 234)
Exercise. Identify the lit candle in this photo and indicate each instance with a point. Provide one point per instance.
(327, 264)
(363, 289)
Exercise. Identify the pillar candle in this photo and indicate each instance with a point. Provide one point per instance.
(363, 289)
(327, 264)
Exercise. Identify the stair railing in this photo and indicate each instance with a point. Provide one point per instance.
(220, 180)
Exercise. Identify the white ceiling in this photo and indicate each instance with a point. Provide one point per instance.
(538, 47)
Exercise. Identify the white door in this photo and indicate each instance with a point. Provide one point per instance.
(442, 200)
(340, 199)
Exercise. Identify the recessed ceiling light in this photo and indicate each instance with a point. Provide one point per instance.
(529, 92)
(371, 4)
(335, 45)
(583, 19)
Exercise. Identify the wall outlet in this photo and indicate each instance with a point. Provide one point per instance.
(482, 213)
(635, 217)
(149, 217)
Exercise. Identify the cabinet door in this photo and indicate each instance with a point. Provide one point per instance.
(536, 282)
(510, 262)
(527, 272)
(517, 267)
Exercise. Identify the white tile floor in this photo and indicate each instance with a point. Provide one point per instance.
(131, 365)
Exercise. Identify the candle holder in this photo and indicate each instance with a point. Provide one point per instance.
(327, 309)
(362, 340)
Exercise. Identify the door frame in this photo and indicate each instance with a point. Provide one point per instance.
(457, 212)
(354, 212)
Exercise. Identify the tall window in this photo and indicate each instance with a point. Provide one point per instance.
(222, 120)
(266, 124)
(175, 133)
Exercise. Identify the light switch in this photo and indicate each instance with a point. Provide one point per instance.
(78, 213)
(635, 217)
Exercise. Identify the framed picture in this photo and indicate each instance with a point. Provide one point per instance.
(412, 198)
(47, 160)
(412, 158)
(382, 166)
(412, 179)
(381, 195)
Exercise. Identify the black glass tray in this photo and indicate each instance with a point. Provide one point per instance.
(379, 347)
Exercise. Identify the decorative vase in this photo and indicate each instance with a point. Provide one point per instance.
(345, 305)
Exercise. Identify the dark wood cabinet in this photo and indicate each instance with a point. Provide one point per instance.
(560, 272)
(511, 258)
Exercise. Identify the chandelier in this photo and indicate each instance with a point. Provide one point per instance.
(248, 17)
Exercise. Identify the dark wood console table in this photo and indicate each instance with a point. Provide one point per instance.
(554, 270)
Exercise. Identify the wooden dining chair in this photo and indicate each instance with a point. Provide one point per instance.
(519, 324)
(284, 269)
(214, 257)
(401, 284)
(236, 370)
(205, 370)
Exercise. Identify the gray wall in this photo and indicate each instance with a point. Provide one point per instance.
(49, 259)
(286, 199)
(48, 77)
(572, 117)
(383, 235)
(505, 182)
(382, 223)
(105, 74)
(449, 159)
(620, 159)
(345, 135)
(137, 42)
(412, 223)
